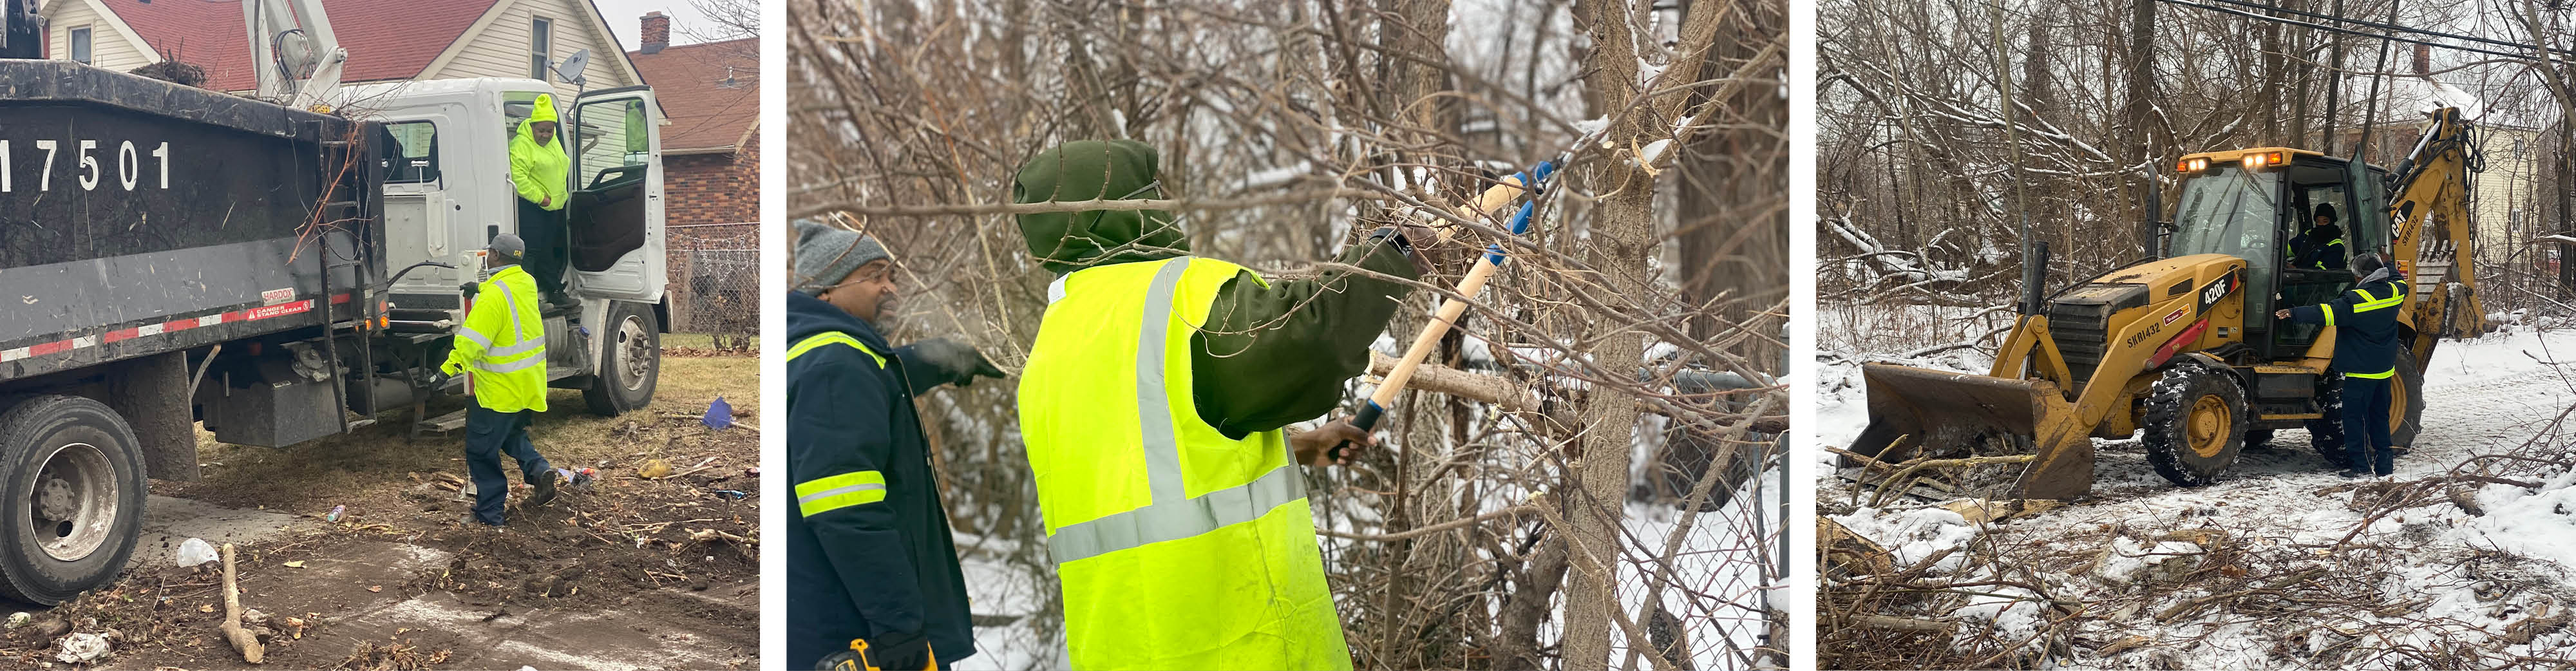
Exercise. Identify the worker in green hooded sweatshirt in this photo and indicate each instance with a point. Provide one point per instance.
(1153, 404)
(538, 168)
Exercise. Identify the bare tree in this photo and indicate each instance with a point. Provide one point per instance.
(1636, 329)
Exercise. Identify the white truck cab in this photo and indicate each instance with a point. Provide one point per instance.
(449, 193)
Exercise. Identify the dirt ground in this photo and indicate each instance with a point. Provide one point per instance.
(627, 572)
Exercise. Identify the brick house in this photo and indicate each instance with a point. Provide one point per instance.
(710, 94)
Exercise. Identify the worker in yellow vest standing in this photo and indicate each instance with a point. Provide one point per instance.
(540, 171)
(501, 350)
(1153, 405)
(872, 577)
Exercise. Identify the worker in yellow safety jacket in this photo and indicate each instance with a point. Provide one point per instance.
(1154, 404)
(501, 349)
(538, 170)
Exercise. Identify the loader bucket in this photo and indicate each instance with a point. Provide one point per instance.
(1921, 412)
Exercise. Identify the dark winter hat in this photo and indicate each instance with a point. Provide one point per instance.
(826, 254)
(1095, 170)
(2326, 210)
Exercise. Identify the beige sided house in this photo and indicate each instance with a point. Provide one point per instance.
(388, 40)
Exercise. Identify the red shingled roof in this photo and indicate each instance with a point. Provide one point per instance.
(709, 91)
(386, 39)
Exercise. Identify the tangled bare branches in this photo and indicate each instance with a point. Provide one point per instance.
(1590, 457)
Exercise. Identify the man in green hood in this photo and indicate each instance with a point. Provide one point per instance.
(538, 168)
(1153, 404)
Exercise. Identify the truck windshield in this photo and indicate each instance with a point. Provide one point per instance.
(2228, 210)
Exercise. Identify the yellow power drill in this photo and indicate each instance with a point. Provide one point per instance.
(862, 657)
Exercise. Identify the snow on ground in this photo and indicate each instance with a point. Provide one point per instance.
(2427, 578)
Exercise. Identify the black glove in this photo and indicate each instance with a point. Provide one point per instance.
(955, 362)
(901, 651)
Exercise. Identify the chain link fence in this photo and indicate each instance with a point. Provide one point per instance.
(715, 282)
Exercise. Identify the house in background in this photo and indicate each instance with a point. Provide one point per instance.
(710, 95)
(387, 40)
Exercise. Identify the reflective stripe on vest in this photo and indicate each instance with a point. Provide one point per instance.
(1172, 515)
(831, 338)
(829, 493)
(2373, 302)
(520, 344)
(2392, 370)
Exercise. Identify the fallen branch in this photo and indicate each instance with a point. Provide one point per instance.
(242, 639)
(2195, 604)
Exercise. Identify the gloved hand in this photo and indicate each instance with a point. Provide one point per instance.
(954, 362)
(902, 651)
(1315, 447)
(451, 368)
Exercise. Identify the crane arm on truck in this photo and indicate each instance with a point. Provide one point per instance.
(294, 51)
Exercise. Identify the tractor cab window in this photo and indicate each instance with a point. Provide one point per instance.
(2233, 211)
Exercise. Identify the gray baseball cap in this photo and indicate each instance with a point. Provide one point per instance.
(510, 246)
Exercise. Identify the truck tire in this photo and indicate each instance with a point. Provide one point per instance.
(630, 361)
(2405, 410)
(2406, 402)
(2195, 423)
(74, 489)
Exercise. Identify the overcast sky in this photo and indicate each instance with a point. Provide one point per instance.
(688, 25)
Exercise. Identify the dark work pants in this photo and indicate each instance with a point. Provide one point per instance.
(543, 230)
(2366, 442)
(488, 434)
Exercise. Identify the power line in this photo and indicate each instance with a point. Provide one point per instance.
(2348, 31)
(2392, 27)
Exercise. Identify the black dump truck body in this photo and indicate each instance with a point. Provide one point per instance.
(168, 255)
(139, 217)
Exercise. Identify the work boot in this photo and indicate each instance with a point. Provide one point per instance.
(563, 302)
(544, 489)
(2354, 474)
(472, 522)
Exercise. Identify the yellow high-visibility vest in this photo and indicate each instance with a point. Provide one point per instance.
(502, 345)
(1177, 547)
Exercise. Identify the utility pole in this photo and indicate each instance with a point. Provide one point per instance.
(2334, 86)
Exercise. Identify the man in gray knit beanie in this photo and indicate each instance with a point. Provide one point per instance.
(826, 254)
(870, 565)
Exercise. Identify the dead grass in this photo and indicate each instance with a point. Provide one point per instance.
(311, 477)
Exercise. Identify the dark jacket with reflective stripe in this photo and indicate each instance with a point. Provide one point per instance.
(2313, 255)
(870, 570)
(2366, 338)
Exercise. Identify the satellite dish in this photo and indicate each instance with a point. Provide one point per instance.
(571, 69)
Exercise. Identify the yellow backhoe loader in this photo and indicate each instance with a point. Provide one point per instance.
(2184, 348)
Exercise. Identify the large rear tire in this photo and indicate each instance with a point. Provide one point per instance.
(73, 497)
(630, 361)
(2406, 402)
(2405, 412)
(2195, 424)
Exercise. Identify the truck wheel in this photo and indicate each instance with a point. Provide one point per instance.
(74, 497)
(2195, 424)
(630, 361)
(2405, 412)
(2406, 402)
(2325, 434)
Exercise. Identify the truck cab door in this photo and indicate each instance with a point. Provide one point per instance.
(615, 213)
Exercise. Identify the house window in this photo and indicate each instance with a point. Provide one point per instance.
(79, 39)
(541, 39)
